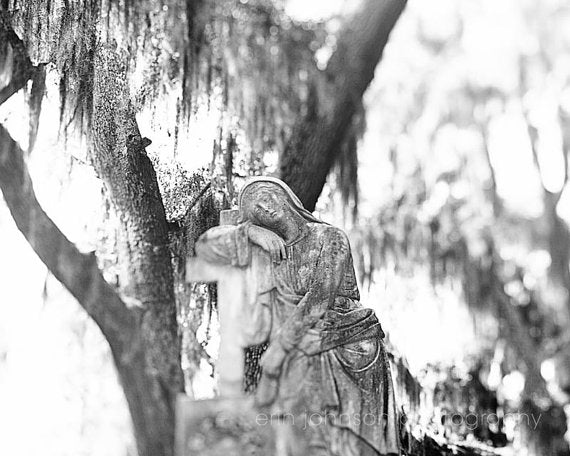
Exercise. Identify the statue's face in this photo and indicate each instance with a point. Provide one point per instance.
(268, 206)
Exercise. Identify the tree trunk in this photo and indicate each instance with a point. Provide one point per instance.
(317, 136)
(152, 379)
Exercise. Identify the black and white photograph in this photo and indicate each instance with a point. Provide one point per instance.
(284, 228)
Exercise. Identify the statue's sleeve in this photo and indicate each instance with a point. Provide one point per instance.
(327, 277)
(226, 244)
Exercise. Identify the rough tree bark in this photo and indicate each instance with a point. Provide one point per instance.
(119, 157)
(318, 135)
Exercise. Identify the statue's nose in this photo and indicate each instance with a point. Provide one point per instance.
(267, 208)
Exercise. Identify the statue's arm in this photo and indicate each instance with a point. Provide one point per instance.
(227, 244)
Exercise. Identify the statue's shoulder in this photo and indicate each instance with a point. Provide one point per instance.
(328, 233)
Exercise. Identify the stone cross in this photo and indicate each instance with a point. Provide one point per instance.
(232, 295)
(229, 424)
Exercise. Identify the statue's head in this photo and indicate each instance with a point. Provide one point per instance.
(265, 204)
(268, 201)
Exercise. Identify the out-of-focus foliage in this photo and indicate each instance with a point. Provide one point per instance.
(462, 205)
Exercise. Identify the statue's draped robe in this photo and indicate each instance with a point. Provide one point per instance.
(336, 370)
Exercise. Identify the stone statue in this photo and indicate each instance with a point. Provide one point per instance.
(325, 363)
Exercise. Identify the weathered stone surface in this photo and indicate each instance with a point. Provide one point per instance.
(232, 294)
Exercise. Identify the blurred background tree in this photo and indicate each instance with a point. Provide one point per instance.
(449, 175)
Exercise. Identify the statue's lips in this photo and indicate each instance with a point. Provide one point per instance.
(272, 214)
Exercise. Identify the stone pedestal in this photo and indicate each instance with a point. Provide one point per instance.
(233, 427)
(222, 427)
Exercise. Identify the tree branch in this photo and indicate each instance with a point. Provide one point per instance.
(76, 271)
(317, 136)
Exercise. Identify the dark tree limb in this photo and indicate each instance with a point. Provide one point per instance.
(77, 271)
(317, 136)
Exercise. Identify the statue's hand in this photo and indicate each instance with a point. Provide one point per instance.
(266, 392)
(269, 241)
(272, 360)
